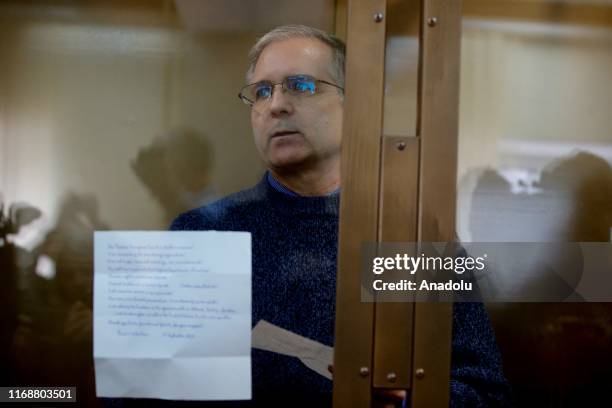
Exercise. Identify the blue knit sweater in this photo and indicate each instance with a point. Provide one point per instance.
(294, 281)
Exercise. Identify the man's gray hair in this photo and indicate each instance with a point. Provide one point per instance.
(301, 31)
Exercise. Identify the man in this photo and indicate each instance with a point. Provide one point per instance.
(295, 91)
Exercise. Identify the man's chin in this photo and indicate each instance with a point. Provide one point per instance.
(288, 164)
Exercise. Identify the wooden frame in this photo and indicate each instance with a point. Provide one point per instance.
(395, 189)
(360, 170)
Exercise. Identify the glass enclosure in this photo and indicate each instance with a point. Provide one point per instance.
(113, 115)
(122, 114)
(534, 165)
(535, 156)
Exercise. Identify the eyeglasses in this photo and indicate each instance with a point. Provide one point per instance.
(296, 85)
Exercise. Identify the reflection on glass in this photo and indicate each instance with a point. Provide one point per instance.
(113, 115)
(533, 94)
(535, 164)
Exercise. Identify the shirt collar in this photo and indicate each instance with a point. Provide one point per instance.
(278, 186)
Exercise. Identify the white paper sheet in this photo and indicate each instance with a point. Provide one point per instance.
(314, 355)
(172, 314)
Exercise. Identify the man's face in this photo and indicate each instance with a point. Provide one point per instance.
(293, 133)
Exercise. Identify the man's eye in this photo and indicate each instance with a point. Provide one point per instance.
(302, 86)
(262, 92)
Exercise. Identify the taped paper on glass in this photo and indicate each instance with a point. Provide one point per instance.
(172, 315)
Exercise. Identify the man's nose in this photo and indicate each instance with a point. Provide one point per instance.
(280, 101)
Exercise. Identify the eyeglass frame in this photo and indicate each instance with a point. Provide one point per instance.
(250, 103)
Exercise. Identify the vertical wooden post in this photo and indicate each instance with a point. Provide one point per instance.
(361, 146)
(395, 194)
(438, 129)
(394, 321)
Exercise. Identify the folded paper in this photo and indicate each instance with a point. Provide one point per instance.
(172, 315)
(314, 355)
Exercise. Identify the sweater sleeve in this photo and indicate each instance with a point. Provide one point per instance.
(477, 379)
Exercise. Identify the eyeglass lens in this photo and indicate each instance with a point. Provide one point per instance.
(295, 85)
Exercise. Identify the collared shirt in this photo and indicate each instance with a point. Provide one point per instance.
(277, 185)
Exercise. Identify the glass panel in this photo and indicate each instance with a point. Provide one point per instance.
(535, 130)
(535, 155)
(401, 68)
(113, 115)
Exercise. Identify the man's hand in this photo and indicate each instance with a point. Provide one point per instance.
(389, 398)
(384, 398)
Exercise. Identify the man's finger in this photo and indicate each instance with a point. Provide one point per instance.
(390, 395)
